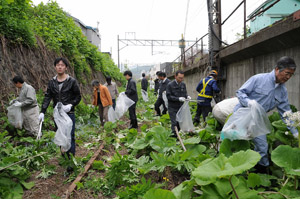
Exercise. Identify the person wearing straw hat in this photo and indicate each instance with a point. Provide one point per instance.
(206, 87)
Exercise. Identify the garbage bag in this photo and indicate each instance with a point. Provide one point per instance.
(224, 108)
(112, 115)
(14, 114)
(164, 96)
(122, 104)
(184, 118)
(145, 95)
(247, 123)
(64, 127)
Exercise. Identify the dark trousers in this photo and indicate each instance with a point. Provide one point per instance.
(114, 103)
(157, 104)
(202, 110)
(172, 114)
(132, 114)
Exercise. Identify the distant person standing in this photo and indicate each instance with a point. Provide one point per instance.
(144, 82)
(164, 81)
(102, 99)
(156, 83)
(151, 84)
(113, 90)
(29, 106)
(131, 93)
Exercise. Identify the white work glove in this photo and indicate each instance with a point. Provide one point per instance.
(67, 108)
(181, 99)
(296, 135)
(18, 104)
(189, 97)
(251, 103)
(12, 101)
(41, 117)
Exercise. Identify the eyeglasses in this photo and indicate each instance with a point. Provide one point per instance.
(287, 74)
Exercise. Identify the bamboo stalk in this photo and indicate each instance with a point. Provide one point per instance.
(180, 140)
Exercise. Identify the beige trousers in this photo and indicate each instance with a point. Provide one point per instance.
(31, 120)
(103, 113)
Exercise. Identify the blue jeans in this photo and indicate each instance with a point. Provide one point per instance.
(261, 146)
(72, 149)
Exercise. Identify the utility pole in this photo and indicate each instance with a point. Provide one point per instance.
(214, 30)
(118, 53)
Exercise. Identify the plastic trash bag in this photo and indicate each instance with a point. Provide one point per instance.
(145, 95)
(64, 127)
(247, 123)
(15, 117)
(184, 118)
(164, 96)
(224, 108)
(122, 104)
(112, 115)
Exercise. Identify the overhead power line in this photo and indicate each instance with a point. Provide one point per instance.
(186, 16)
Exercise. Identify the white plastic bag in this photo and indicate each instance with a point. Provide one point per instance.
(184, 118)
(14, 114)
(112, 116)
(122, 104)
(247, 123)
(224, 108)
(64, 127)
(164, 96)
(145, 95)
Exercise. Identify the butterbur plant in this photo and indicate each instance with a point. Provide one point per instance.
(293, 120)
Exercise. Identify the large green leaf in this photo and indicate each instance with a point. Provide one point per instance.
(209, 171)
(253, 180)
(244, 192)
(193, 152)
(159, 193)
(229, 147)
(288, 158)
(221, 189)
(184, 190)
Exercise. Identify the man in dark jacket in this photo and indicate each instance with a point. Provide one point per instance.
(131, 93)
(65, 89)
(164, 81)
(176, 94)
(144, 82)
(206, 87)
(156, 83)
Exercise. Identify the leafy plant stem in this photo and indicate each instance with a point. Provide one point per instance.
(272, 192)
(286, 181)
(43, 153)
(298, 128)
(296, 182)
(233, 188)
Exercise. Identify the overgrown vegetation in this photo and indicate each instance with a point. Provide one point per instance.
(151, 164)
(21, 22)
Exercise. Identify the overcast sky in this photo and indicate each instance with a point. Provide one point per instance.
(152, 19)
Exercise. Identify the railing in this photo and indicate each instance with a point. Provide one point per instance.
(194, 54)
(191, 55)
